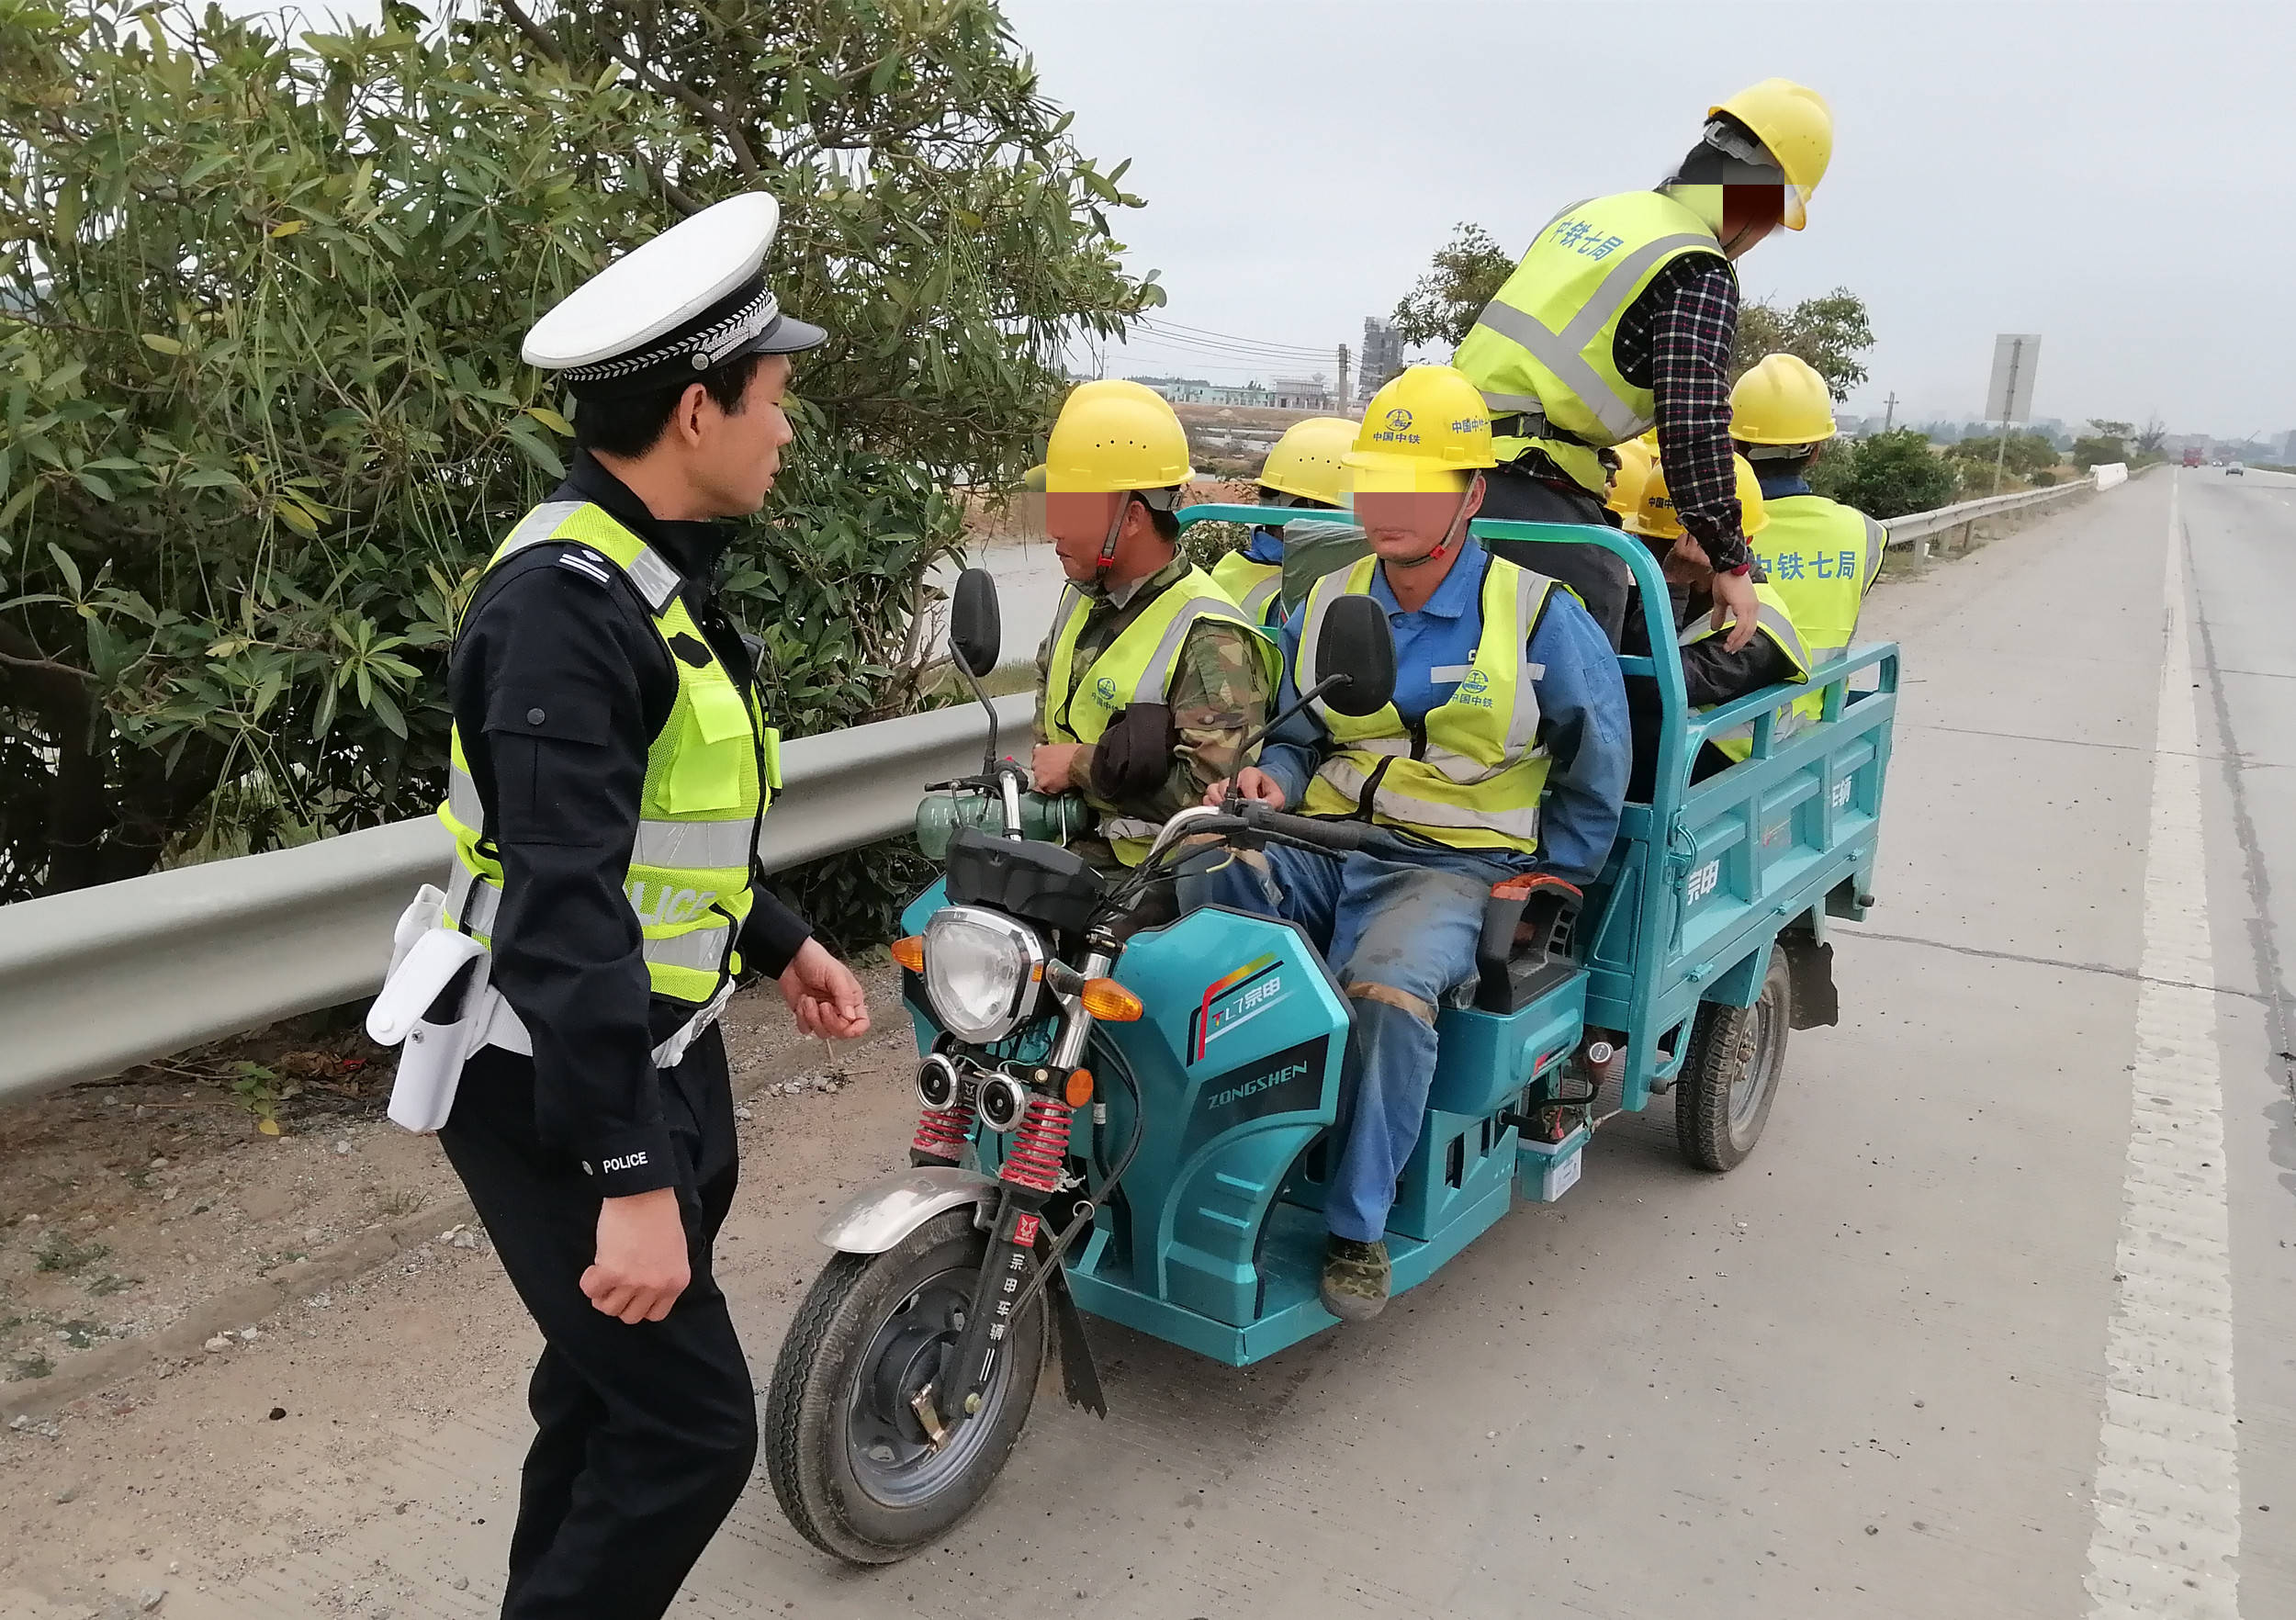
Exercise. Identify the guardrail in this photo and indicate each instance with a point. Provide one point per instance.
(1916, 529)
(96, 980)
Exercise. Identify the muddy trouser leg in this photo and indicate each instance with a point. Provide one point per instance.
(1405, 934)
(645, 1432)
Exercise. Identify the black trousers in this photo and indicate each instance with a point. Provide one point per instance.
(1600, 579)
(644, 1434)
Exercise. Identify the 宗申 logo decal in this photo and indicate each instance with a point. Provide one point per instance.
(1232, 1000)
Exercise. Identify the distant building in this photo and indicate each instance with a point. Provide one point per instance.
(1383, 356)
(1180, 390)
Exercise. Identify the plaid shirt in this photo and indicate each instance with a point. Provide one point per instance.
(1675, 340)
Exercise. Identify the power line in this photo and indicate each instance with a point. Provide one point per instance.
(1226, 337)
(1189, 337)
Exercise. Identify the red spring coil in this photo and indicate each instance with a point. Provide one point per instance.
(941, 1132)
(1039, 1147)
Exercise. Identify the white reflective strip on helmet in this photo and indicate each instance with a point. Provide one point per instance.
(692, 844)
(1560, 352)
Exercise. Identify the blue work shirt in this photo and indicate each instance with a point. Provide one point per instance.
(1581, 706)
(1265, 545)
(1782, 485)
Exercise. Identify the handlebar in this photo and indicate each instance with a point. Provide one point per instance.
(1338, 836)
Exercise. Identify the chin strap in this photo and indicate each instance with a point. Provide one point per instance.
(1107, 546)
(1443, 546)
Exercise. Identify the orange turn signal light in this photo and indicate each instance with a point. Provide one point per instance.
(1078, 1090)
(910, 952)
(1109, 1002)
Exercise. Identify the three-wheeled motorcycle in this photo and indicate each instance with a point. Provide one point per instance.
(1135, 1121)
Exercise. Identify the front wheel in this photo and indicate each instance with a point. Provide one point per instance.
(845, 1447)
(1731, 1076)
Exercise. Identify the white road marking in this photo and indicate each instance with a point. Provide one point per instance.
(2167, 1540)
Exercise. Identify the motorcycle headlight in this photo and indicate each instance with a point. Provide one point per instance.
(982, 972)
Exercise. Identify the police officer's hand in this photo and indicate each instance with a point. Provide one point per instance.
(641, 1267)
(1734, 596)
(1250, 782)
(824, 995)
(1053, 767)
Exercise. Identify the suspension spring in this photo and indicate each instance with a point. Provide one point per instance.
(941, 1134)
(1039, 1147)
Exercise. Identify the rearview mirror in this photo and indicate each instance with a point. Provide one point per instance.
(976, 632)
(1355, 642)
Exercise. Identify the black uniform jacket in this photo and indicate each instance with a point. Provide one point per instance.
(559, 683)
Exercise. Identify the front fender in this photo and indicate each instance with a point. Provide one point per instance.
(878, 1217)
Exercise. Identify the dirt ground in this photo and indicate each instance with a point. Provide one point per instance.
(210, 1336)
(128, 1208)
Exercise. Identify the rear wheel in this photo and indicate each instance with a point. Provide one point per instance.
(845, 1447)
(1730, 1077)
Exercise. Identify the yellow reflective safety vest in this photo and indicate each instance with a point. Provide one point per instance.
(1137, 667)
(710, 773)
(1822, 558)
(1469, 775)
(1774, 622)
(1544, 347)
(1256, 587)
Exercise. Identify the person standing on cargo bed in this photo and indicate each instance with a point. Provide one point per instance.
(1622, 314)
(611, 771)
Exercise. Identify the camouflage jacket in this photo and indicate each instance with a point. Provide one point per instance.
(1219, 692)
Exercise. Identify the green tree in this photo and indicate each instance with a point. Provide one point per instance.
(1887, 475)
(2027, 454)
(2105, 443)
(259, 307)
(1442, 305)
(1828, 332)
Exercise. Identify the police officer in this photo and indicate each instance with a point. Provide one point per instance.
(612, 768)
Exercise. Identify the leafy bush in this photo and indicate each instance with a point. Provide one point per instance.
(1887, 475)
(264, 415)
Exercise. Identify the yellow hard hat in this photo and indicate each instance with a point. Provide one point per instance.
(1307, 461)
(1115, 435)
(1796, 127)
(1783, 400)
(1626, 484)
(1427, 430)
(1655, 516)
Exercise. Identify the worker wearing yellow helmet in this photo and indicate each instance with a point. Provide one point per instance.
(1501, 756)
(1713, 671)
(1620, 316)
(1151, 677)
(1821, 556)
(1304, 470)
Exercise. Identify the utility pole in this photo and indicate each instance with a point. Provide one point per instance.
(1342, 395)
(1889, 411)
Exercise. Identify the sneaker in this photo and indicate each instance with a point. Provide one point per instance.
(1355, 1279)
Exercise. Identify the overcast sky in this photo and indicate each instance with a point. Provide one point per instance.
(2112, 176)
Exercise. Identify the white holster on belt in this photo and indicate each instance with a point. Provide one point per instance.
(437, 1002)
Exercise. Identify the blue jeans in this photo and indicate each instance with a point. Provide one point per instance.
(1398, 915)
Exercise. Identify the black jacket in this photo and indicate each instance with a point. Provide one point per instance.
(1711, 675)
(559, 685)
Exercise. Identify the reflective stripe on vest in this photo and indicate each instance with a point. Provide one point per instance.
(1137, 667)
(1470, 777)
(1773, 621)
(1821, 557)
(1252, 585)
(1545, 344)
(709, 777)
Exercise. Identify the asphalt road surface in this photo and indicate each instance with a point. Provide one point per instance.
(1997, 1321)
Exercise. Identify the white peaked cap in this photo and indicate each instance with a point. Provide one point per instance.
(671, 309)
